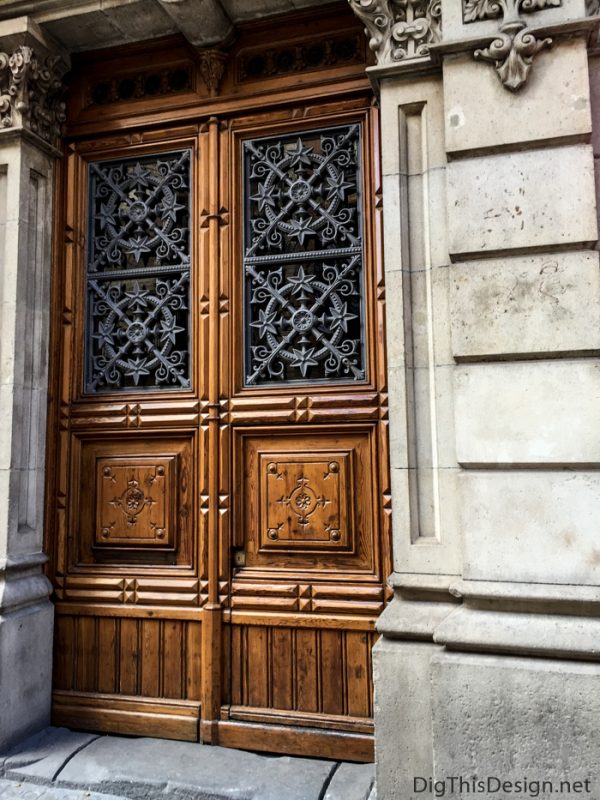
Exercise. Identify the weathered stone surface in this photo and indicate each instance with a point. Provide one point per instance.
(543, 712)
(557, 102)
(25, 671)
(542, 412)
(40, 758)
(87, 27)
(522, 200)
(250, 9)
(403, 732)
(147, 768)
(526, 305)
(522, 526)
(351, 782)
(13, 790)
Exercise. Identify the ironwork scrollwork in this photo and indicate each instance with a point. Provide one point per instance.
(303, 258)
(138, 274)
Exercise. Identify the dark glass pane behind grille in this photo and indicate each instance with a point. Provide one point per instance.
(303, 258)
(138, 274)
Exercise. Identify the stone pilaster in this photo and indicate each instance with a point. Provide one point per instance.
(493, 285)
(31, 111)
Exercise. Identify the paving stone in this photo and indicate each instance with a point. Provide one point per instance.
(40, 758)
(148, 769)
(351, 782)
(12, 790)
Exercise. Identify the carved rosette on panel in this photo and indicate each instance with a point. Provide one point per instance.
(32, 93)
(400, 30)
(133, 503)
(305, 501)
(513, 49)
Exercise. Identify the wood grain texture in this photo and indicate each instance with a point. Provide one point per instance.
(218, 553)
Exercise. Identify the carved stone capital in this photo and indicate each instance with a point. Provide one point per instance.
(513, 49)
(32, 93)
(400, 30)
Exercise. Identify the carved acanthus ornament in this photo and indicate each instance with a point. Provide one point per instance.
(31, 93)
(513, 49)
(212, 67)
(400, 30)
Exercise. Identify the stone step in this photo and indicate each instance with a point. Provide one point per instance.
(61, 760)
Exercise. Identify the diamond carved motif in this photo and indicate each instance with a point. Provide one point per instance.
(305, 501)
(133, 501)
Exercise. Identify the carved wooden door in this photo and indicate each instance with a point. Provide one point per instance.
(220, 501)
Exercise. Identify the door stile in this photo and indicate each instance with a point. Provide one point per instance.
(374, 236)
(212, 613)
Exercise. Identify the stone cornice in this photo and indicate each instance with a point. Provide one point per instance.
(407, 35)
(32, 92)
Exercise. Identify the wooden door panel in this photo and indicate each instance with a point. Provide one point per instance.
(305, 502)
(132, 500)
(309, 676)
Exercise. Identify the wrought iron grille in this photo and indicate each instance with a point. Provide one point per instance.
(138, 274)
(303, 255)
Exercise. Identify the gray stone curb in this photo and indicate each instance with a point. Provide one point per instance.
(62, 763)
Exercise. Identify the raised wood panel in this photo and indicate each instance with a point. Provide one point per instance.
(132, 500)
(135, 500)
(309, 672)
(153, 658)
(306, 500)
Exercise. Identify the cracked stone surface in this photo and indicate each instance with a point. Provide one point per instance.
(59, 763)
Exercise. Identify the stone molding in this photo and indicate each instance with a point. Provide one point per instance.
(32, 93)
(565, 635)
(400, 30)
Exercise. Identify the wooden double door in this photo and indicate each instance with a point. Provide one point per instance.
(218, 499)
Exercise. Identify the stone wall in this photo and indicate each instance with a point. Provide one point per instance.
(488, 661)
